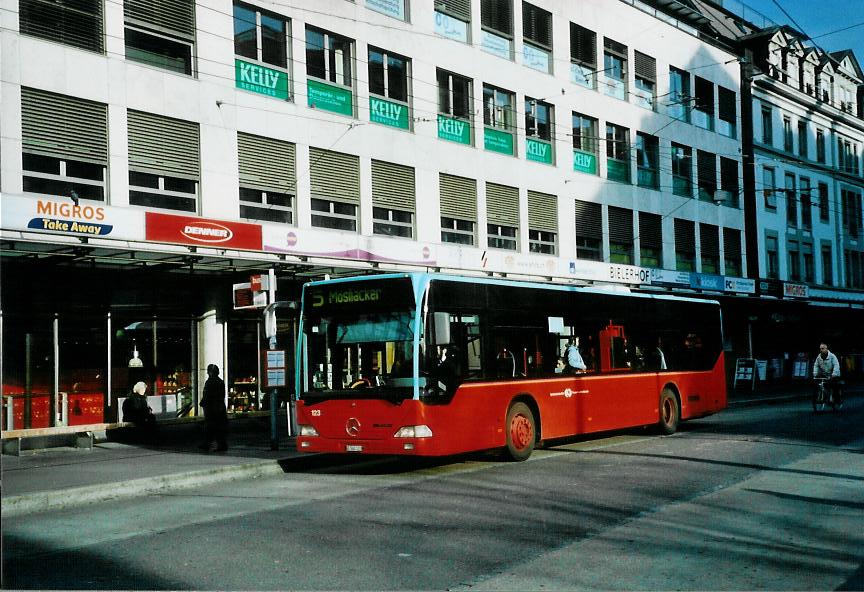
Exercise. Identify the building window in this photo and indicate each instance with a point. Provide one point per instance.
(79, 24)
(454, 230)
(64, 144)
(620, 235)
(583, 56)
(334, 214)
(589, 230)
(499, 117)
(788, 143)
(706, 165)
(807, 260)
(709, 242)
(388, 79)
(392, 222)
(767, 126)
(791, 201)
(454, 107)
(820, 146)
(502, 237)
(394, 8)
(458, 198)
(328, 58)
(682, 170)
(617, 153)
(802, 139)
(584, 144)
(794, 260)
(772, 257)
(647, 161)
(393, 199)
(806, 204)
(727, 112)
(854, 269)
(537, 36)
(645, 68)
(542, 223)
(267, 178)
(496, 22)
(732, 251)
(703, 108)
(453, 19)
(824, 207)
(650, 240)
(502, 213)
(827, 265)
(680, 100)
(614, 69)
(769, 188)
(334, 188)
(174, 145)
(539, 123)
(161, 35)
(851, 203)
(685, 245)
(261, 52)
(847, 156)
(729, 181)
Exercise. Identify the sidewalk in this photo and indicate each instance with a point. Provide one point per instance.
(66, 477)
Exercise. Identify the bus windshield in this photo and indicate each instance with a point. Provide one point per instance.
(368, 355)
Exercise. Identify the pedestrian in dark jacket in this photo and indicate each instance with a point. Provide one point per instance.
(215, 414)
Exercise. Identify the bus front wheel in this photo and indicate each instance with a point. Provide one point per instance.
(670, 412)
(521, 432)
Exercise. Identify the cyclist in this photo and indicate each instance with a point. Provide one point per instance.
(826, 366)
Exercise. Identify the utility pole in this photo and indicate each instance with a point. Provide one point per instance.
(270, 333)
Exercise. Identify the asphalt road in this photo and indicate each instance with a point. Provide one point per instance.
(768, 498)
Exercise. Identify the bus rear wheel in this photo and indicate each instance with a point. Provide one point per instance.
(670, 412)
(521, 432)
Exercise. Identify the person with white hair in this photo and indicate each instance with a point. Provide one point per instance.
(137, 411)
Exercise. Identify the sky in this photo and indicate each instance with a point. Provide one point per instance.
(817, 17)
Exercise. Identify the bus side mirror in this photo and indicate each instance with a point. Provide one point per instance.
(441, 322)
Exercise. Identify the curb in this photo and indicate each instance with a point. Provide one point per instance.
(43, 501)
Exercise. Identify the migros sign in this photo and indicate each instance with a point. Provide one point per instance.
(191, 230)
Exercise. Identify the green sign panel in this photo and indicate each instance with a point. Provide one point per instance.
(330, 98)
(387, 113)
(538, 151)
(455, 130)
(498, 141)
(257, 78)
(584, 162)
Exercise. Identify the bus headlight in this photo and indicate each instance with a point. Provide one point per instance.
(418, 431)
(308, 430)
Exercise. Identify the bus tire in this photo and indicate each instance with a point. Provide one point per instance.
(670, 412)
(521, 432)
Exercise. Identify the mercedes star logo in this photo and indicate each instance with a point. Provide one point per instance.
(352, 427)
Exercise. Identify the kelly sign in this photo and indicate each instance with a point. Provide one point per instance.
(538, 151)
(584, 162)
(259, 79)
(387, 113)
(191, 230)
(455, 130)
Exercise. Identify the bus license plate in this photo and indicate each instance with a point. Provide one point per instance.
(353, 448)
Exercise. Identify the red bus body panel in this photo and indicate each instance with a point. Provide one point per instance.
(474, 418)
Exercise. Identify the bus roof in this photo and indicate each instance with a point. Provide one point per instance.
(424, 278)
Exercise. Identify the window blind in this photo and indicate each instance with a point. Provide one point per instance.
(163, 146)
(392, 186)
(502, 204)
(537, 25)
(650, 230)
(583, 45)
(542, 211)
(176, 17)
(334, 176)
(732, 243)
(709, 239)
(620, 225)
(458, 197)
(589, 220)
(460, 9)
(497, 15)
(685, 240)
(63, 127)
(266, 164)
(645, 66)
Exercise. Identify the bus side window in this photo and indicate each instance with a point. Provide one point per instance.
(613, 348)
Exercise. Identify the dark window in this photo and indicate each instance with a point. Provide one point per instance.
(620, 235)
(767, 126)
(732, 251)
(703, 108)
(328, 56)
(589, 231)
(647, 160)
(454, 95)
(537, 26)
(824, 208)
(650, 240)
(727, 111)
(538, 119)
(682, 170)
(729, 179)
(388, 75)
(497, 16)
(158, 50)
(685, 245)
(78, 23)
(706, 165)
(617, 153)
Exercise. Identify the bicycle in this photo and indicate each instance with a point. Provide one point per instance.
(823, 396)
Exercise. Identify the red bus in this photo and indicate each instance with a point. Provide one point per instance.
(431, 365)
